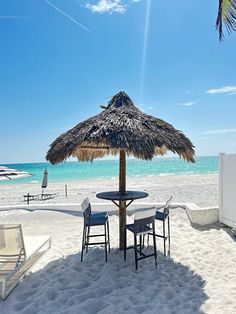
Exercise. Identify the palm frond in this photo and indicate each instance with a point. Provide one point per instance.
(226, 16)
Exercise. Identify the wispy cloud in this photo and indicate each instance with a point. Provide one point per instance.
(220, 131)
(11, 17)
(230, 90)
(187, 103)
(107, 6)
(68, 16)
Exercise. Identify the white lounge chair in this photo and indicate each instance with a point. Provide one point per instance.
(17, 255)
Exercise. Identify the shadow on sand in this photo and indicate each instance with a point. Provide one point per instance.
(66, 285)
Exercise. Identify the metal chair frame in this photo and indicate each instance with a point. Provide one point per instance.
(18, 254)
(142, 225)
(93, 220)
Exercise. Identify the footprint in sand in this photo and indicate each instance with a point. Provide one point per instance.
(25, 295)
(20, 306)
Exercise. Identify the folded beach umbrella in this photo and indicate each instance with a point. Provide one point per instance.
(121, 128)
(9, 174)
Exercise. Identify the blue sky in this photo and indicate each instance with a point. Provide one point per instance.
(61, 59)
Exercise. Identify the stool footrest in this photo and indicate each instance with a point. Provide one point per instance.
(95, 243)
(97, 235)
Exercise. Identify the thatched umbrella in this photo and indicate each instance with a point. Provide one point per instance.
(121, 128)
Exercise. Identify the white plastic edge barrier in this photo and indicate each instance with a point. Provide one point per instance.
(227, 189)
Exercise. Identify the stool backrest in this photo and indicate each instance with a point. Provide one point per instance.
(145, 217)
(167, 205)
(86, 208)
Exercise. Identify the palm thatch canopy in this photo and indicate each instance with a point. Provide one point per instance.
(120, 126)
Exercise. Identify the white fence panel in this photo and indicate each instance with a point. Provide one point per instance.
(227, 189)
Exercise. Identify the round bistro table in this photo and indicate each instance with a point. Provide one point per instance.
(122, 198)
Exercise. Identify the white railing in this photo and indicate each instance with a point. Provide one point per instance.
(196, 214)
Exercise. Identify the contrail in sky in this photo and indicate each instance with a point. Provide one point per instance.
(68, 16)
(145, 42)
(11, 17)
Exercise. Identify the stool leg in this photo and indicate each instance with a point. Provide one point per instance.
(87, 238)
(140, 242)
(108, 233)
(83, 243)
(135, 251)
(164, 236)
(105, 229)
(169, 235)
(154, 244)
(125, 244)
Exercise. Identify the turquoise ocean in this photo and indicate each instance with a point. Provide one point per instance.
(74, 170)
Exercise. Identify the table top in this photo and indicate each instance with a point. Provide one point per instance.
(118, 196)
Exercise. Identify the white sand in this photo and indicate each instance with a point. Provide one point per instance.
(199, 189)
(200, 277)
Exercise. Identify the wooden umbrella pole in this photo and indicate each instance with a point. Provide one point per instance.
(122, 204)
(122, 175)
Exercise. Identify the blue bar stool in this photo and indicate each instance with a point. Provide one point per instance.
(94, 220)
(144, 223)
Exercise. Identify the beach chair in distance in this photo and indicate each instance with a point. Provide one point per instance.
(144, 223)
(94, 220)
(43, 196)
(39, 197)
(17, 255)
(162, 214)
